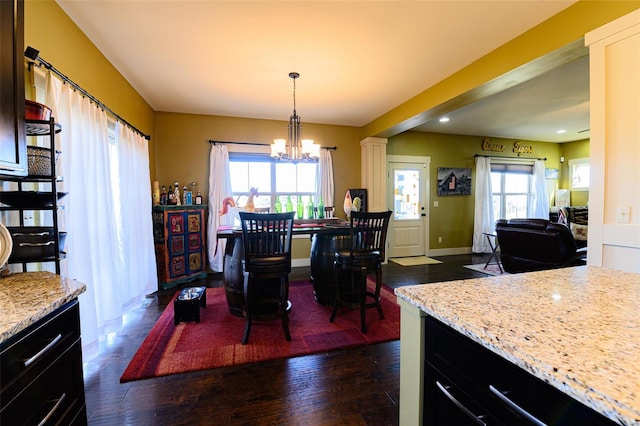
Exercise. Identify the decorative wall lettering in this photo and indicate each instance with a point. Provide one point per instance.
(487, 146)
(522, 149)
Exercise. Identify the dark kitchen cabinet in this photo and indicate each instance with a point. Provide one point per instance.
(467, 382)
(41, 370)
(13, 152)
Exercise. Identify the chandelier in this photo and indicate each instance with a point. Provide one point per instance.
(295, 148)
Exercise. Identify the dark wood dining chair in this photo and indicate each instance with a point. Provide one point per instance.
(266, 265)
(368, 233)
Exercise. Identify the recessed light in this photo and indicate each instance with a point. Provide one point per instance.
(444, 119)
(561, 131)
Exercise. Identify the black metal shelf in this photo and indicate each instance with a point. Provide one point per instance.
(42, 127)
(48, 128)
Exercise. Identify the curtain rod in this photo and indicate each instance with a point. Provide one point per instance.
(34, 55)
(211, 141)
(510, 158)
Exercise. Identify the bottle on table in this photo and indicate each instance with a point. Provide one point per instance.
(300, 208)
(198, 199)
(310, 208)
(278, 205)
(320, 208)
(289, 204)
(171, 199)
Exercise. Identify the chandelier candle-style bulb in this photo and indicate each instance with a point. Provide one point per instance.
(295, 148)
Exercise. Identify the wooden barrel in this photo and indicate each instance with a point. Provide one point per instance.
(233, 275)
(323, 247)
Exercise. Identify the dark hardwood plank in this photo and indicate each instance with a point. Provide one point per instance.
(358, 386)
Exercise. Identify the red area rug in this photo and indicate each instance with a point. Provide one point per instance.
(215, 341)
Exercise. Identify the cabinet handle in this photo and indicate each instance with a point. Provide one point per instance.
(48, 243)
(468, 412)
(29, 234)
(43, 351)
(53, 410)
(524, 413)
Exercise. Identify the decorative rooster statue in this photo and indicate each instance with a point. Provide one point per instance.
(357, 204)
(347, 204)
(226, 203)
(249, 206)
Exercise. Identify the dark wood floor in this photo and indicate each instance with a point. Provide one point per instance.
(351, 387)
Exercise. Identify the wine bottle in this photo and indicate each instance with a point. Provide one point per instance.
(278, 205)
(320, 208)
(310, 208)
(289, 204)
(300, 208)
(171, 199)
(198, 199)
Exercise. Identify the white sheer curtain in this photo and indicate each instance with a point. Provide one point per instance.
(324, 178)
(483, 220)
(219, 189)
(97, 171)
(539, 204)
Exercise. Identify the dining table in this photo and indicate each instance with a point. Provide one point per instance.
(327, 236)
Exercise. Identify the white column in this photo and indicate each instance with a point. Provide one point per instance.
(412, 364)
(614, 57)
(373, 153)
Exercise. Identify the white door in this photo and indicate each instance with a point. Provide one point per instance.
(408, 189)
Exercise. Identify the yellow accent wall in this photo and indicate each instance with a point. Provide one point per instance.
(62, 44)
(453, 218)
(183, 147)
(560, 30)
(179, 150)
(571, 151)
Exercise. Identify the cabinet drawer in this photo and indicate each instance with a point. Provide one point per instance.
(57, 396)
(26, 354)
(446, 404)
(489, 379)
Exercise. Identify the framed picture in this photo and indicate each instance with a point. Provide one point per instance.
(454, 181)
(563, 198)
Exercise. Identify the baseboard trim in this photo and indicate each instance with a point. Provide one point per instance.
(449, 251)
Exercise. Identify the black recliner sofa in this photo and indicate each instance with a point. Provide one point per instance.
(536, 244)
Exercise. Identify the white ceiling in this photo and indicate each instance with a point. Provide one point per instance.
(357, 59)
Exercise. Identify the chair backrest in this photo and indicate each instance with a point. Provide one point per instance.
(266, 238)
(528, 244)
(368, 231)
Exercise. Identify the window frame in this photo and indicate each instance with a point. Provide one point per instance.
(573, 165)
(272, 192)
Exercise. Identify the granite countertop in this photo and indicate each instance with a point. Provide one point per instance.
(577, 329)
(28, 296)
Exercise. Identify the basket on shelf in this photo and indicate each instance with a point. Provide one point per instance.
(39, 161)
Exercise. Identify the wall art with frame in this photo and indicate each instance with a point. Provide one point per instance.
(454, 181)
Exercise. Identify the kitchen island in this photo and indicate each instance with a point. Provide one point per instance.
(40, 350)
(574, 330)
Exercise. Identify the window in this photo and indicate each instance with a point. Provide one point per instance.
(579, 169)
(275, 181)
(511, 185)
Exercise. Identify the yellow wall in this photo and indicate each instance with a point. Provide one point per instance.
(62, 44)
(560, 30)
(571, 151)
(453, 218)
(179, 148)
(183, 146)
